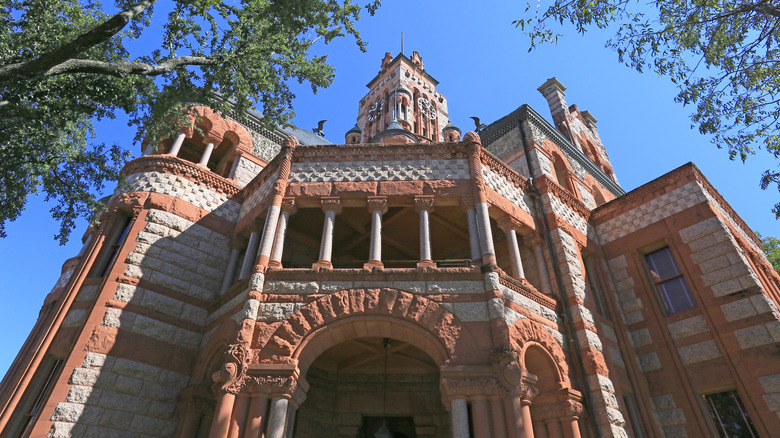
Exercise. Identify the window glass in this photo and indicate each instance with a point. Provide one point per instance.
(669, 281)
(729, 415)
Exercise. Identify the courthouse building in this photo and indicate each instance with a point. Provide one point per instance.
(411, 282)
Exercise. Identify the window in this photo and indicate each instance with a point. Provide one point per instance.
(39, 397)
(633, 416)
(111, 249)
(669, 281)
(590, 274)
(728, 415)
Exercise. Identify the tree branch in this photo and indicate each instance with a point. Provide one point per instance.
(122, 69)
(63, 54)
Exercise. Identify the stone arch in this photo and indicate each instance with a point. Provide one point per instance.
(602, 196)
(369, 312)
(527, 334)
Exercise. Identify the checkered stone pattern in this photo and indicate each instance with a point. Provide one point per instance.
(508, 190)
(246, 171)
(562, 210)
(184, 189)
(258, 195)
(724, 267)
(715, 203)
(115, 397)
(413, 170)
(652, 211)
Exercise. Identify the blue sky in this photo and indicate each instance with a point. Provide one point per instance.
(482, 63)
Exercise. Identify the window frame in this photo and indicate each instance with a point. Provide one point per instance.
(715, 422)
(110, 250)
(594, 285)
(657, 282)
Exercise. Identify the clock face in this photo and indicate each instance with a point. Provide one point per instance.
(426, 108)
(376, 110)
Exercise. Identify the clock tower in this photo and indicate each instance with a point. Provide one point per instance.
(405, 93)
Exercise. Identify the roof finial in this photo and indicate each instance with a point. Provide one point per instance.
(402, 43)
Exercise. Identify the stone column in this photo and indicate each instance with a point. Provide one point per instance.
(377, 205)
(331, 207)
(541, 266)
(176, 146)
(277, 417)
(292, 410)
(485, 234)
(424, 206)
(238, 421)
(233, 169)
(288, 208)
(497, 416)
(467, 204)
(508, 225)
(480, 413)
(540, 430)
(220, 425)
(204, 159)
(512, 416)
(554, 429)
(249, 256)
(257, 413)
(570, 412)
(459, 416)
(230, 272)
(525, 410)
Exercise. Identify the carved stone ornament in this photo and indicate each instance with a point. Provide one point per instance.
(230, 378)
(271, 385)
(527, 391)
(467, 203)
(423, 203)
(288, 205)
(471, 386)
(570, 408)
(506, 366)
(377, 203)
(331, 204)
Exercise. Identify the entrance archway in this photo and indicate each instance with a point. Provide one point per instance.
(358, 383)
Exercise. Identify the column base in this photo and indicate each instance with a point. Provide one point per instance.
(424, 265)
(322, 265)
(275, 264)
(373, 266)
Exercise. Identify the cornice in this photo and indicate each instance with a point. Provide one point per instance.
(524, 113)
(527, 291)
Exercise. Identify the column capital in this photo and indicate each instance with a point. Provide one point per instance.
(423, 202)
(570, 408)
(507, 223)
(377, 203)
(331, 204)
(533, 240)
(288, 205)
(467, 203)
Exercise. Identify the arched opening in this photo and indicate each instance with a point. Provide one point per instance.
(560, 171)
(358, 383)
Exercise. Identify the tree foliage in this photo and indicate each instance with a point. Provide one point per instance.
(772, 250)
(724, 56)
(67, 63)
